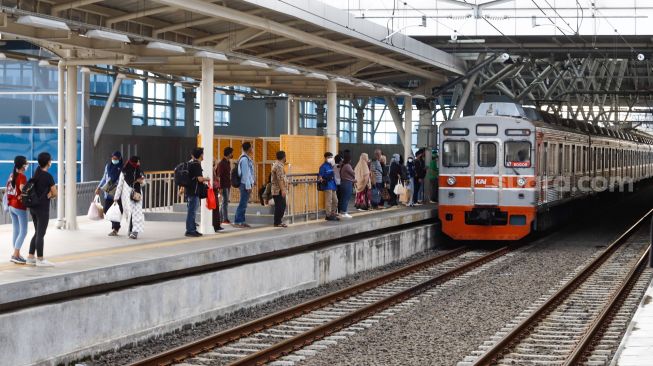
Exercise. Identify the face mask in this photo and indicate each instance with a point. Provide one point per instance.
(115, 162)
(331, 161)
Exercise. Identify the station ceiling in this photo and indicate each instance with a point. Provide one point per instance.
(263, 44)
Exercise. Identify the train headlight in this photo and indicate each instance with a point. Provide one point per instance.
(521, 182)
(451, 181)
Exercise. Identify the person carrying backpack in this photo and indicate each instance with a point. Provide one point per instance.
(37, 194)
(194, 190)
(243, 175)
(16, 208)
(223, 172)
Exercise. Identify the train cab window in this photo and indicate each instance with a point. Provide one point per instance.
(518, 154)
(487, 154)
(455, 154)
(487, 130)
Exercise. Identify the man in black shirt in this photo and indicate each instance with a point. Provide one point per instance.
(420, 174)
(45, 190)
(192, 191)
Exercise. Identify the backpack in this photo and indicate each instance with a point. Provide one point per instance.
(235, 177)
(29, 196)
(182, 175)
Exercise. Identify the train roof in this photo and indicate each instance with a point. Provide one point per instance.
(543, 119)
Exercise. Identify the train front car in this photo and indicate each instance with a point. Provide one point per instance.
(487, 185)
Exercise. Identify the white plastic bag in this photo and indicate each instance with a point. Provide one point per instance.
(113, 213)
(399, 189)
(95, 210)
(5, 202)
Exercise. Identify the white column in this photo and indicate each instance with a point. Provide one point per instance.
(332, 116)
(207, 116)
(71, 149)
(408, 127)
(61, 147)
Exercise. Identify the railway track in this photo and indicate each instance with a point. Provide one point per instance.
(312, 326)
(581, 323)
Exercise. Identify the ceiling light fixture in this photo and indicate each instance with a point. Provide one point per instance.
(288, 70)
(366, 85)
(160, 46)
(39, 22)
(403, 93)
(316, 75)
(178, 85)
(84, 70)
(419, 96)
(151, 80)
(386, 89)
(261, 65)
(212, 55)
(107, 36)
(3, 56)
(343, 80)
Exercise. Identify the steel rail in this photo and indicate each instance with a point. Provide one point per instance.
(492, 355)
(599, 325)
(286, 347)
(220, 339)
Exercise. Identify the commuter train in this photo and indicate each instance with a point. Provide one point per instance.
(508, 171)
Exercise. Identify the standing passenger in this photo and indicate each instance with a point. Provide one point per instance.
(420, 175)
(130, 193)
(17, 210)
(394, 176)
(193, 190)
(279, 188)
(377, 173)
(410, 175)
(336, 176)
(347, 179)
(327, 183)
(45, 190)
(363, 182)
(108, 185)
(224, 172)
(246, 174)
(215, 215)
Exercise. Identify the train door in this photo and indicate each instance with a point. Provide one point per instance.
(486, 181)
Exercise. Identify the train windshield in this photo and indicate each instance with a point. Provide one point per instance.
(455, 153)
(487, 154)
(518, 154)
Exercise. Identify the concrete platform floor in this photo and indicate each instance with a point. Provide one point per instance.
(636, 348)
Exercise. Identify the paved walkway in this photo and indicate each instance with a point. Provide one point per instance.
(636, 348)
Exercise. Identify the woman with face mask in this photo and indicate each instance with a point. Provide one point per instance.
(129, 192)
(108, 186)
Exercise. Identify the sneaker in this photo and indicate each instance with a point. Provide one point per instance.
(30, 261)
(43, 263)
(113, 233)
(346, 216)
(18, 260)
(194, 234)
(226, 222)
(133, 235)
(218, 229)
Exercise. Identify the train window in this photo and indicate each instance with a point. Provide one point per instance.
(456, 132)
(517, 132)
(518, 154)
(487, 154)
(487, 130)
(455, 153)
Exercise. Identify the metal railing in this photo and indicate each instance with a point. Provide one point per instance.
(85, 194)
(303, 197)
(161, 191)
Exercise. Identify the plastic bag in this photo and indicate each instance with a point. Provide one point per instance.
(95, 210)
(211, 203)
(5, 202)
(113, 213)
(399, 189)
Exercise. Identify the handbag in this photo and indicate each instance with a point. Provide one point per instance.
(202, 190)
(113, 213)
(211, 202)
(399, 189)
(95, 210)
(110, 188)
(385, 194)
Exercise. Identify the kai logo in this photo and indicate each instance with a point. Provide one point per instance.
(480, 181)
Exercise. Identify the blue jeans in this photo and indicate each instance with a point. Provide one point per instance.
(19, 222)
(193, 204)
(346, 188)
(242, 205)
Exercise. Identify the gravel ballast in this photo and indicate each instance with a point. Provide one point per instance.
(442, 330)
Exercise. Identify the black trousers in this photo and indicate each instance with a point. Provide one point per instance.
(279, 208)
(40, 218)
(108, 202)
(216, 213)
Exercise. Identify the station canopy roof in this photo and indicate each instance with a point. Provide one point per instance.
(292, 47)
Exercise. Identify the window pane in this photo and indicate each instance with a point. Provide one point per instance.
(518, 154)
(487, 154)
(455, 154)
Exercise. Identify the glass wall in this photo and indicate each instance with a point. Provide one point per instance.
(28, 122)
